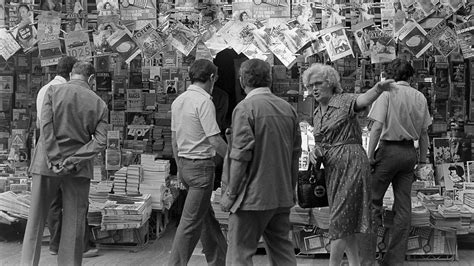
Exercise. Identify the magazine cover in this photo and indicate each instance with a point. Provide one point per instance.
(465, 33)
(107, 7)
(149, 41)
(49, 26)
(135, 14)
(50, 52)
(24, 31)
(279, 49)
(121, 41)
(134, 100)
(337, 43)
(171, 86)
(451, 150)
(425, 173)
(451, 175)
(443, 38)
(6, 84)
(414, 37)
(78, 45)
(382, 46)
(8, 45)
(237, 34)
(470, 171)
(103, 81)
(362, 36)
(182, 38)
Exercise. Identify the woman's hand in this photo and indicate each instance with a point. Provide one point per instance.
(384, 85)
(316, 154)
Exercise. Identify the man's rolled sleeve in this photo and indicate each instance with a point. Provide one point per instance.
(243, 139)
(207, 116)
(378, 112)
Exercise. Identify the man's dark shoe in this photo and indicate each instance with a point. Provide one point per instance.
(53, 252)
(93, 252)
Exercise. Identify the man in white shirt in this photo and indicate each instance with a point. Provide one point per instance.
(64, 68)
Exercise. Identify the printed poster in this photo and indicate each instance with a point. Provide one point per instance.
(149, 41)
(8, 45)
(443, 38)
(121, 41)
(24, 31)
(78, 45)
(337, 43)
(414, 37)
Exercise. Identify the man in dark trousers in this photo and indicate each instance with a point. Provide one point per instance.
(73, 130)
(400, 116)
(264, 154)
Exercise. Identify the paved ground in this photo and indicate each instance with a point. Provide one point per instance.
(157, 252)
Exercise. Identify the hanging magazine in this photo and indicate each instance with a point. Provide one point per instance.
(443, 38)
(414, 37)
(362, 37)
(8, 45)
(337, 43)
(121, 42)
(149, 41)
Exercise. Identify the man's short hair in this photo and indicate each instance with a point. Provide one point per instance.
(65, 65)
(201, 70)
(255, 73)
(83, 68)
(400, 69)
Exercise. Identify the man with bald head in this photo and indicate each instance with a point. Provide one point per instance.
(73, 130)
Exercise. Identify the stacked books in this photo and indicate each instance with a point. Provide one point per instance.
(155, 176)
(120, 181)
(469, 199)
(420, 216)
(299, 215)
(15, 204)
(125, 212)
(221, 216)
(134, 175)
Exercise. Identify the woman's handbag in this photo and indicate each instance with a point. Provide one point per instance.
(311, 187)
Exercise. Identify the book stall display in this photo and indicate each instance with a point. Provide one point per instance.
(142, 52)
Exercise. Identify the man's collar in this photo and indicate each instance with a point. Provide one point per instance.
(256, 91)
(402, 82)
(60, 78)
(80, 82)
(199, 89)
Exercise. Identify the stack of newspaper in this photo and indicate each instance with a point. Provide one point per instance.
(155, 175)
(125, 212)
(14, 205)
